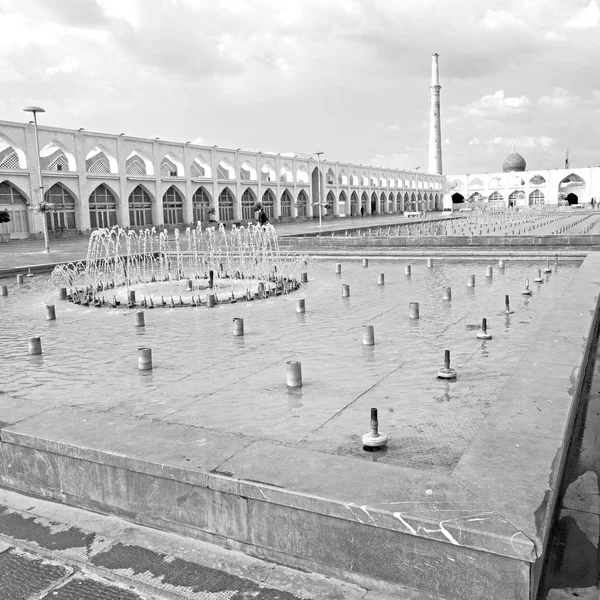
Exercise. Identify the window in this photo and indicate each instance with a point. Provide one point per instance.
(173, 206)
(103, 208)
(62, 216)
(140, 208)
(200, 205)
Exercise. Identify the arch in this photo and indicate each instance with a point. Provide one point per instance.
(373, 180)
(515, 197)
(572, 187)
(364, 201)
(137, 163)
(302, 174)
(248, 171)
(343, 204)
(457, 198)
(342, 178)
(329, 203)
(168, 168)
(364, 179)
(456, 184)
(201, 202)
(267, 173)
(353, 178)
(286, 175)
(302, 203)
(354, 204)
(330, 176)
(413, 202)
(248, 204)
(286, 204)
(62, 215)
(537, 180)
(537, 198)
(226, 205)
(225, 170)
(496, 197)
(200, 169)
(13, 200)
(9, 149)
(140, 207)
(406, 201)
(174, 164)
(476, 183)
(390, 206)
(495, 183)
(374, 203)
(317, 186)
(55, 157)
(100, 160)
(103, 207)
(382, 203)
(475, 197)
(268, 203)
(173, 206)
(382, 182)
(391, 182)
(572, 198)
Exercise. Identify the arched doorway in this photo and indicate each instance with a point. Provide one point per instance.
(354, 204)
(317, 188)
(343, 204)
(13, 201)
(62, 217)
(572, 188)
(103, 208)
(201, 205)
(329, 204)
(302, 203)
(140, 208)
(268, 203)
(173, 207)
(373, 203)
(364, 200)
(248, 202)
(226, 205)
(457, 198)
(286, 204)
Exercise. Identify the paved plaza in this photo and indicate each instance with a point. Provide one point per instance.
(455, 448)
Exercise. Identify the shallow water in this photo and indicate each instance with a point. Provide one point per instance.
(204, 376)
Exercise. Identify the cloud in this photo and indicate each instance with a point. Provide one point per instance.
(496, 104)
(521, 141)
(397, 160)
(559, 99)
(586, 18)
(500, 19)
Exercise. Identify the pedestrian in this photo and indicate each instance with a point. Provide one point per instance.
(362, 211)
(262, 217)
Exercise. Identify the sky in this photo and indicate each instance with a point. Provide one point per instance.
(349, 78)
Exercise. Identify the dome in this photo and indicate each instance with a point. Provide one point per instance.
(514, 162)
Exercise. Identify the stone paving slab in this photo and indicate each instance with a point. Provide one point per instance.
(98, 557)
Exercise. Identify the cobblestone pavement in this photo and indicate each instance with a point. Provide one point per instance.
(53, 552)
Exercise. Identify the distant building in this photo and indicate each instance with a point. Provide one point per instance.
(515, 186)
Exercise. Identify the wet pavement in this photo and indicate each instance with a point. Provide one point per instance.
(49, 551)
(572, 569)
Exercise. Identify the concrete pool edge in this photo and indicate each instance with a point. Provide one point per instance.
(85, 469)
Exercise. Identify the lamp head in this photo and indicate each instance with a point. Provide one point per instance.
(34, 109)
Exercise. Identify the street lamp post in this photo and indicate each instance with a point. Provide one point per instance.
(319, 184)
(35, 110)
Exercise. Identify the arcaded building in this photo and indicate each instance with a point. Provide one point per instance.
(516, 186)
(94, 180)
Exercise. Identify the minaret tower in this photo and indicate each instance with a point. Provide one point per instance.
(435, 129)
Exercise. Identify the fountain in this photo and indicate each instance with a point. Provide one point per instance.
(204, 267)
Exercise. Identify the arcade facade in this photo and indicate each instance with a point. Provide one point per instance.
(95, 180)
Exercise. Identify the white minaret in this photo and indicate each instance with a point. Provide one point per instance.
(435, 129)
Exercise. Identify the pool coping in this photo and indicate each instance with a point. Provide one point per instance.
(498, 501)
